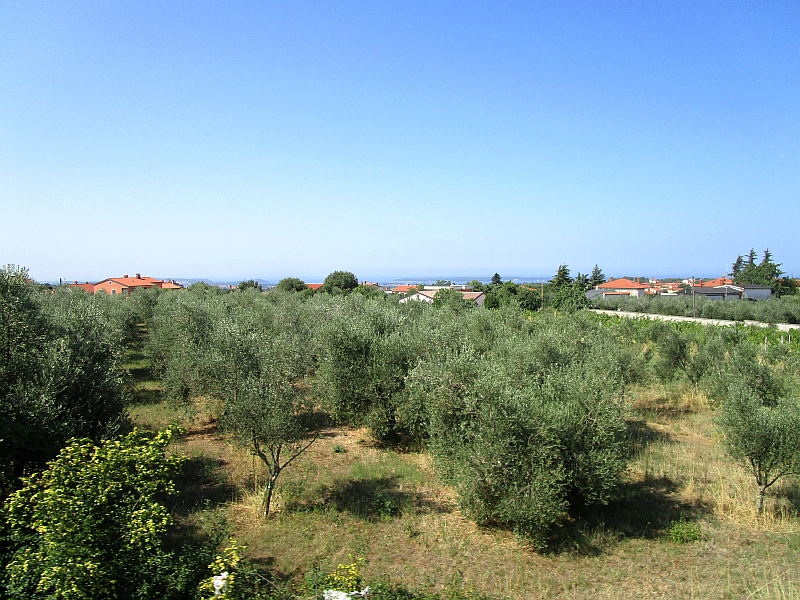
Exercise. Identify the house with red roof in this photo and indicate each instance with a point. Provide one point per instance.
(125, 285)
(87, 287)
(404, 289)
(714, 282)
(614, 288)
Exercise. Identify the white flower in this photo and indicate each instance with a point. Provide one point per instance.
(220, 583)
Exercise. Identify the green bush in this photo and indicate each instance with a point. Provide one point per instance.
(92, 524)
(683, 531)
(366, 351)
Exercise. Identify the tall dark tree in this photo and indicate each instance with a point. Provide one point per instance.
(767, 272)
(597, 277)
(751, 258)
(562, 277)
(582, 282)
(496, 279)
(738, 267)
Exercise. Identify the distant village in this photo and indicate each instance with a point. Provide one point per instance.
(721, 288)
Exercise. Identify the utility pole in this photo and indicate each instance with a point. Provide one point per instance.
(694, 314)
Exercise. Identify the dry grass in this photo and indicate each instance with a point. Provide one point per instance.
(685, 447)
(347, 497)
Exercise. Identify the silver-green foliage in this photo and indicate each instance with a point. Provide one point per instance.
(763, 433)
(259, 360)
(60, 374)
(252, 352)
(366, 351)
(532, 428)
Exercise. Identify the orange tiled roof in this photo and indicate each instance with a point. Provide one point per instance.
(622, 284)
(89, 287)
(314, 286)
(136, 281)
(715, 282)
(471, 295)
(404, 289)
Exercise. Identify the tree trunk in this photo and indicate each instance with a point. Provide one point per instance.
(268, 493)
(760, 501)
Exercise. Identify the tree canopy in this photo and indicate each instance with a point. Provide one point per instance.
(343, 281)
(250, 284)
(291, 284)
(764, 434)
(748, 271)
(60, 372)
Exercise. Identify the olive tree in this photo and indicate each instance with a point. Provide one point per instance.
(764, 435)
(366, 351)
(260, 358)
(180, 336)
(60, 373)
(681, 350)
(530, 428)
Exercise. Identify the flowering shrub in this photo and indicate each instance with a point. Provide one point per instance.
(91, 525)
(346, 578)
(221, 583)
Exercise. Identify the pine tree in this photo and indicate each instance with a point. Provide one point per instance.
(751, 258)
(496, 279)
(582, 282)
(562, 277)
(597, 277)
(738, 266)
(767, 272)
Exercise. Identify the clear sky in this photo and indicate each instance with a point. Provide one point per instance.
(270, 139)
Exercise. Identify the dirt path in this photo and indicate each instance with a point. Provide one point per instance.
(634, 315)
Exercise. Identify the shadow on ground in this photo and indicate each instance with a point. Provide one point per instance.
(143, 388)
(370, 499)
(201, 486)
(640, 435)
(644, 509)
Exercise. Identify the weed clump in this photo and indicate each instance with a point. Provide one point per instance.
(683, 531)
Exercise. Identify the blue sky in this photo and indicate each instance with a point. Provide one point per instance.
(273, 139)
